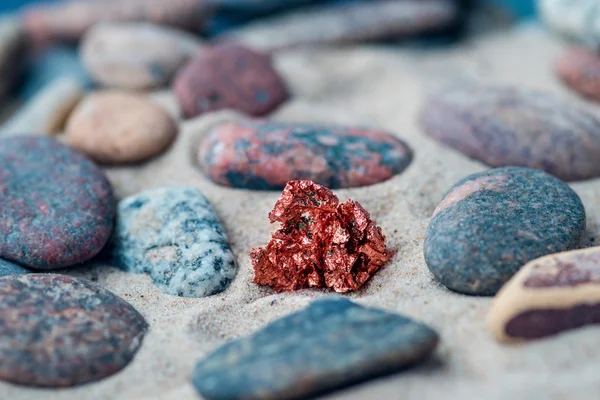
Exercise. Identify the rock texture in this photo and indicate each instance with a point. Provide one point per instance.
(579, 68)
(8, 268)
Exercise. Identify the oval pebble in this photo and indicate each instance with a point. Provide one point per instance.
(230, 76)
(491, 223)
(57, 206)
(174, 235)
(505, 126)
(579, 68)
(575, 20)
(326, 346)
(8, 268)
(548, 296)
(135, 55)
(263, 155)
(119, 127)
(59, 331)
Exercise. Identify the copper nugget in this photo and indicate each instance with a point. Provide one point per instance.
(320, 243)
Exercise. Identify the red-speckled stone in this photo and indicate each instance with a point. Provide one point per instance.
(230, 76)
(57, 206)
(265, 155)
(59, 331)
(579, 68)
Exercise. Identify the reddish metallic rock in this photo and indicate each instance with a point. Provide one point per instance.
(229, 76)
(265, 155)
(320, 243)
(579, 68)
(60, 331)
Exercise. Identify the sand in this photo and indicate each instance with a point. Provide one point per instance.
(382, 87)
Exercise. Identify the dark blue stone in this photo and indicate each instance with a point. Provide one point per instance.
(8, 268)
(331, 344)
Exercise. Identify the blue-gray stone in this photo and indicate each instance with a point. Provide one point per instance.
(174, 235)
(491, 223)
(8, 268)
(331, 344)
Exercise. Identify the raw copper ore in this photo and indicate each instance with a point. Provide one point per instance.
(320, 243)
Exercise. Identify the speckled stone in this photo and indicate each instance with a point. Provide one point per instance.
(115, 127)
(265, 155)
(574, 19)
(579, 68)
(329, 345)
(8, 268)
(506, 126)
(58, 331)
(230, 76)
(550, 295)
(491, 223)
(174, 235)
(135, 55)
(57, 206)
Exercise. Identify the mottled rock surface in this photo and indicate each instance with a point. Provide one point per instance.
(509, 126)
(230, 76)
(265, 155)
(491, 223)
(57, 206)
(8, 268)
(331, 344)
(548, 296)
(174, 235)
(579, 68)
(120, 127)
(58, 331)
(135, 55)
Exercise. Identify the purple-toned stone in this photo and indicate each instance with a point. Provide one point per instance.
(59, 331)
(265, 155)
(230, 76)
(57, 206)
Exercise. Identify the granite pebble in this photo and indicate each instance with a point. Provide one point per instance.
(174, 235)
(509, 126)
(491, 223)
(59, 331)
(8, 268)
(136, 56)
(115, 127)
(579, 68)
(57, 206)
(265, 155)
(230, 76)
(550, 295)
(331, 344)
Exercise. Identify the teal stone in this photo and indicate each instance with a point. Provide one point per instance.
(8, 268)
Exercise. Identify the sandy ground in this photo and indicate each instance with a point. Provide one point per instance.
(382, 87)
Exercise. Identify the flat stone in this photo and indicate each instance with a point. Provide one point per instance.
(174, 235)
(8, 268)
(12, 51)
(331, 344)
(115, 127)
(491, 223)
(57, 206)
(548, 296)
(579, 68)
(230, 76)
(263, 155)
(136, 55)
(575, 20)
(506, 126)
(58, 331)
(346, 22)
(47, 112)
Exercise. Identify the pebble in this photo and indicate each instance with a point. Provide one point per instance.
(136, 55)
(575, 20)
(230, 76)
(46, 113)
(115, 127)
(12, 50)
(70, 20)
(59, 331)
(265, 155)
(174, 235)
(548, 296)
(348, 22)
(491, 223)
(331, 344)
(57, 206)
(579, 68)
(8, 268)
(505, 126)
